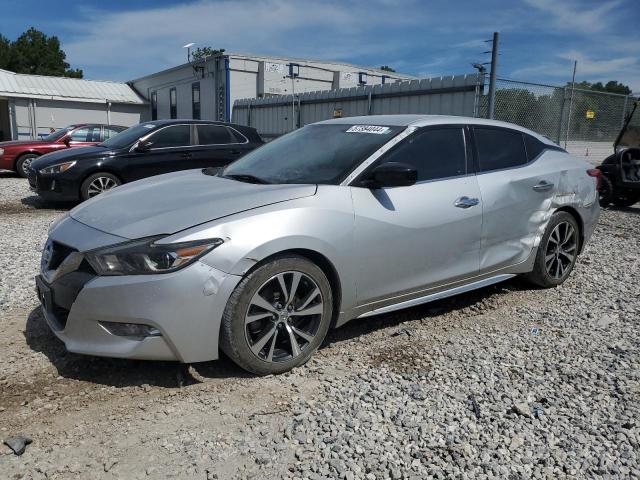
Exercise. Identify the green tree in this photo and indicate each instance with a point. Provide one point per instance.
(387, 68)
(5, 52)
(612, 86)
(35, 53)
(200, 53)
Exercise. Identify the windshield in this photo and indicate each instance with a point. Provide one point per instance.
(321, 153)
(57, 135)
(129, 136)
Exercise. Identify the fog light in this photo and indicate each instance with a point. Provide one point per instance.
(136, 330)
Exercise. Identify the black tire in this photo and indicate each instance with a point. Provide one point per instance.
(626, 200)
(546, 272)
(23, 163)
(606, 191)
(237, 337)
(90, 187)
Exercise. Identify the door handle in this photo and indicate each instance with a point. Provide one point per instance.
(235, 152)
(543, 186)
(185, 155)
(466, 202)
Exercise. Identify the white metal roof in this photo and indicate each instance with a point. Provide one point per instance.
(61, 88)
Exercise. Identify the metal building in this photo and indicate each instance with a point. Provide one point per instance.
(32, 105)
(206, 89)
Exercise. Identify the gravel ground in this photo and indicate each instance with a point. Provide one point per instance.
(505, 382)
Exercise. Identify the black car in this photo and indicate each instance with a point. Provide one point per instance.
(147, 149)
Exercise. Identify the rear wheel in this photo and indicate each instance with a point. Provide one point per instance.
(278, 316)
(557, 252)
(97, 183)
(24, 162)
(606, 191)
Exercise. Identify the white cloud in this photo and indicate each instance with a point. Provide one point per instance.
(577, 16)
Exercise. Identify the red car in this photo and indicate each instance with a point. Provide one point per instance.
(18, 155)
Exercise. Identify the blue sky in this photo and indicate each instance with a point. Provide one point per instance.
(122, 40)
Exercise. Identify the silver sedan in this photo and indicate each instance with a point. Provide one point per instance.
(338, 220)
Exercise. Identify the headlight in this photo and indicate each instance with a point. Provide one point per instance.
(59, 168)
(144, 257)
(1, 151)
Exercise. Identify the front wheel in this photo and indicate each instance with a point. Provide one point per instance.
(277, 316)
(97, 183)
(557, 252)
(24, 163)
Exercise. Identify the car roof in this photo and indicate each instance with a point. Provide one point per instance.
(179, 121)
(429, 120)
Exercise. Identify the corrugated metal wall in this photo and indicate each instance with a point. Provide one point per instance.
(274, 116)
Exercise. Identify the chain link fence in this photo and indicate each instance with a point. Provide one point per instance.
(585, 122)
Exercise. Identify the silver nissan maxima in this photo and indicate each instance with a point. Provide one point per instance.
(342, 219)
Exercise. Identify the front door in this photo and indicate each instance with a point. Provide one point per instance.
(169, 150)
(425, 235)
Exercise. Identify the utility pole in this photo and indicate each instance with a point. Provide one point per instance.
(573, 87)
(492, 76)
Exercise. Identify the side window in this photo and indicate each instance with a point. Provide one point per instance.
(499, 148)
(434, 153)
(173, 103)
(86, 134)
(534, 146)
(111, 132)
(174, 136)
(214, 135)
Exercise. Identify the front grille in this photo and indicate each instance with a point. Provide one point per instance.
(58, 253)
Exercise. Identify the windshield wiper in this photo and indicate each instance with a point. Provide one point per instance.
(246, 178)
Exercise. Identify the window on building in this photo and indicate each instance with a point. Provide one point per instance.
(174, 136)
(434, 153)
(214, 135)
(86, 134)
(173, 103)
(154, 105)
(195, 101)
(499, 148)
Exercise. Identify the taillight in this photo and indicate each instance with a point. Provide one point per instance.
(594, 172)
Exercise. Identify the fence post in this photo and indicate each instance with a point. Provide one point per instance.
(369, 103)
(561, 116)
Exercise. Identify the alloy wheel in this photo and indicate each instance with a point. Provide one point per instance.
(101, 184)
(26, 165)
(561, 250)
(284, 316)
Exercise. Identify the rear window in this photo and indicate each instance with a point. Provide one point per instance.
(499, 148)
(214, 135)
(534, 146)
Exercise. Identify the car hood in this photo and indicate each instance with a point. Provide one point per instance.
(69, 154)
(22, 143)
(169, 203)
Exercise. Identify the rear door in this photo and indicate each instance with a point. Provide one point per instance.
(170, 150)
(217, 145)
(421, 236)
(516, 190)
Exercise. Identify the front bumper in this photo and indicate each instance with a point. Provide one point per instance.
(186, 306)
(54, 187)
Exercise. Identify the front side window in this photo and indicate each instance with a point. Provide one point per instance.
(86, 134)
(434, 153)
(322, 153)
(111, 132)
(173, 103)
(154, 105)
(195, 101)
(214, 135)
(499, 148)
(173, 136)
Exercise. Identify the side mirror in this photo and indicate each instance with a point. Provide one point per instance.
(67, 141)
(392, 174)
(143, 146)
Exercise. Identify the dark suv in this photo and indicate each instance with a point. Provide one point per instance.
(147, 149)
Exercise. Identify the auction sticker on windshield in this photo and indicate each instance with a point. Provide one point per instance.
(375, 129)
